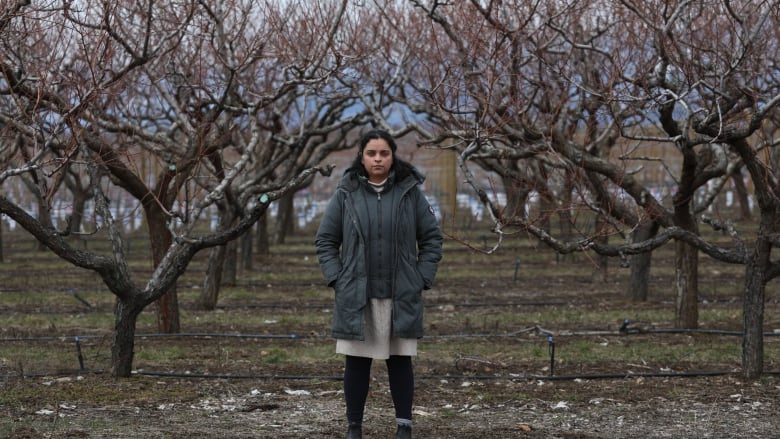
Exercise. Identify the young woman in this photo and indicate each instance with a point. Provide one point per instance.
(379, 246)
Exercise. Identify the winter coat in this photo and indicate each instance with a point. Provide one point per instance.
(342, 254)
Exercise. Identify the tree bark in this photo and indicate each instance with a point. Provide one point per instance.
(246, 250)
(640, 264)
(230, 268)
(686, 267)
(2, 258)
(565, 217)
(546, 209)
(686, 285)
(122, 348)
(262, 239)
(753, 306)
(211, 284)
(80, 198)
(285, 218)
(601, 269)
(45, 218)
(564, 211)
(516, 198)
(742, 196)
(168, 305)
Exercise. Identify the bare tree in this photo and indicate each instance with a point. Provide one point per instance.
(305, 123)
(191, 86)
(576, 90)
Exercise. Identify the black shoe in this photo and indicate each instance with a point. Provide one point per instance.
(355, 431)
(404, 432)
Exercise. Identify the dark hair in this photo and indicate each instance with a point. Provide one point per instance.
(401, 167)
(377, 134)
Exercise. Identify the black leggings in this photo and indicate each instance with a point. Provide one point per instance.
(357, 375)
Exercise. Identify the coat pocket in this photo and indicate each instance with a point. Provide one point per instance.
(409, 282)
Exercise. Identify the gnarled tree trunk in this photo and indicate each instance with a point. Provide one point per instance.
(211, 284)
(122, 349)
(640, 264)
(753, 305)
(686, 283)
(285, 218)
(168, 305)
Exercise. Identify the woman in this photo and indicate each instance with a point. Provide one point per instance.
(379, 246)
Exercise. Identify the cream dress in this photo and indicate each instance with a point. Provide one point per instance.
(379, 342)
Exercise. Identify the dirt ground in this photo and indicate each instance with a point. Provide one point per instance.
(476, 400)
(713, 407)
(471, 397)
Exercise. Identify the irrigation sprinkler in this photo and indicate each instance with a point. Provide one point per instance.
(78, 351)
(551, 345)
(625, 330)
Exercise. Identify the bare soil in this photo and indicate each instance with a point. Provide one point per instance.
(472, 396)
(704, 407)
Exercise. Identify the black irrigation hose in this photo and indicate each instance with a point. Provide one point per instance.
(622, 332)
(73, 293)
(232, 335)
(163, 335)
(228, 376)
(551, 376)
(600, 376)
(427, 305)
(702, 298)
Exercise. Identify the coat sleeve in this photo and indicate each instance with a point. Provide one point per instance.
(328, 240)
(429, 240)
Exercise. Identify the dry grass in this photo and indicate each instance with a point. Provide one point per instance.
(485, 324)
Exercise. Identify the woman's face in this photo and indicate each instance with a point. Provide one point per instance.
(377, 159)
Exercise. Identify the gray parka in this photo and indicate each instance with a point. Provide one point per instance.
(342, 253)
